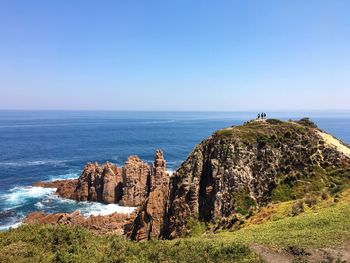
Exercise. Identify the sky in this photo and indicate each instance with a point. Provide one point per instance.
(175, 55)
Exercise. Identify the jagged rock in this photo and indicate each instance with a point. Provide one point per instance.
(89, 187)
(241, 168)
(223, 181)
(108, 183)
(158, 170)
(65, 188)
(112, 184)
(136, 175)
(108, 224)
(149, 221)
(96, 183)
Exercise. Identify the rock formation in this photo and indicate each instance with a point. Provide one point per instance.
(108, 224)
(65, 188)
(136, 175)
(112, 184)
(241, 168)
(132, 185)
(99, 184)
(128, 186)
(225, 179)
(149, 221)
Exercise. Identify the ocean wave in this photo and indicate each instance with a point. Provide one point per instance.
(54, 203)
(8, 226)
(104, 209)
(33, 163)
(18, 196)
(33, 198)
(67, 176)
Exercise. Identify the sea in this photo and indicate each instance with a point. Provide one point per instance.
(52, 145)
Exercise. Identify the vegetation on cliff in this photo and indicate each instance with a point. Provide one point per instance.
(229, 176)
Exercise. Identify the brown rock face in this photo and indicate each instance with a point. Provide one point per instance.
(158, 170)
(99, 184)
(112, 184)
(65, 188)
(226, 178)
(149, 221)
(136, 175)
(238, 169)
(132, 185)
(89, 180)
(109, 184)
(109, 224)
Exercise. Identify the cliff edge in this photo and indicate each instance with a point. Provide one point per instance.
(228, 176)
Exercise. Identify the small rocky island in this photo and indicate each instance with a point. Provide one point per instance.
(225, 180)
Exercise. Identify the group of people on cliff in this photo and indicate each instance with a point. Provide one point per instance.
(261, 116)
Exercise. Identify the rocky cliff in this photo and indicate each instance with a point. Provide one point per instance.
(241, 168)
(150, 218)
(224, 180)
(228, 176)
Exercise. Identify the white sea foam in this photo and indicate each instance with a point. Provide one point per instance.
(86, 208)
(39, 205)
(170, 172)
(6, 227)
(32, 163)
(44, 199)
(64, 176)
(104, 209)
(18, 195)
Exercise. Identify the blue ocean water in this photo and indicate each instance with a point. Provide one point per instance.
(49, 145)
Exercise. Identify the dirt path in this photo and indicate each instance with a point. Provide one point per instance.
(272, 256)
(296, 254)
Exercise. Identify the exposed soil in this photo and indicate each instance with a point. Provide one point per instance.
(294, 254)
(330, 140)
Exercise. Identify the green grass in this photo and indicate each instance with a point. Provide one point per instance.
(325, 225)
(34, 243)
(251, 131)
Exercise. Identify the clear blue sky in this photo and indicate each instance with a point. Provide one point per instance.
(175, 55)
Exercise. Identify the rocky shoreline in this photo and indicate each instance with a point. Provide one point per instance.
(225, 179)
(134, 185)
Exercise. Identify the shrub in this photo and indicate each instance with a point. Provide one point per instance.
(243, 202)
(307, 122)
(274, 121)
(297, 208)
(224, 133)
(196, 227)
(310, 200)
(324, 195)
(35, 243)
(281, 192)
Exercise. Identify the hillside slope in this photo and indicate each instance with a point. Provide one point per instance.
(237, 170)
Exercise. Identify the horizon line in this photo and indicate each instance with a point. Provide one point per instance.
(167, 110)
